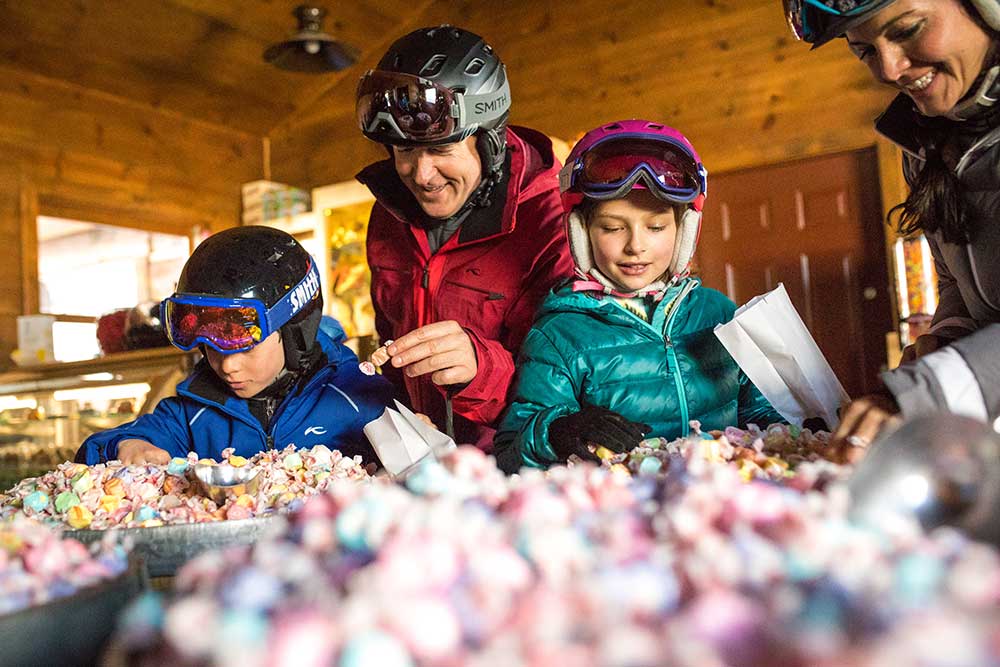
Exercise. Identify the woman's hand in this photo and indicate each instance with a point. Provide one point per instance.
(924, 344)
(860, 423)
(134, 451)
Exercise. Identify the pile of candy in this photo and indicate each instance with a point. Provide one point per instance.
(774, 453)
(580, 566)
(115, 495)
(37, 565)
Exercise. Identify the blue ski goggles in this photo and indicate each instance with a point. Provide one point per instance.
(230, 325)
(811, 20)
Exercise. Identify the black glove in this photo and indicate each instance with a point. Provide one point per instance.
(594, 426)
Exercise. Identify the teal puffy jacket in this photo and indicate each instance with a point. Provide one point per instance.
(584, 349)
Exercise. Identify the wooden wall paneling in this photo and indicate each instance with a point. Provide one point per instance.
(82, 154)
(320, 143)
(28, 218)
(727, 74)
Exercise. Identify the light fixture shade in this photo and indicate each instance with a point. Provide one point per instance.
(310, 49)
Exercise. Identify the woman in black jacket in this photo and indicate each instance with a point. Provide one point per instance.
(943, 57)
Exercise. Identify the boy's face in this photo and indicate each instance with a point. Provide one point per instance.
(249, 373)
(632, 238)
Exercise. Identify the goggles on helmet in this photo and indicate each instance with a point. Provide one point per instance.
(397, 107)
(231, 325)
(611, 168)
(802, 14)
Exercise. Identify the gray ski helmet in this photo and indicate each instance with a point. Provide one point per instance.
(471, 94)
(817, 26)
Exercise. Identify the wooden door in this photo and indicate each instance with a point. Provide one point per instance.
(816, 226)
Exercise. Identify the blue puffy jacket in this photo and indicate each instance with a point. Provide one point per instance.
(331, 409)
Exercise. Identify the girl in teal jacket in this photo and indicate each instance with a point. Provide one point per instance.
(627, 350)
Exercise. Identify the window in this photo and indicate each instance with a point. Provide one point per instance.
(86, 270)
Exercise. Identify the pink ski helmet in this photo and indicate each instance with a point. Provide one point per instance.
(612, 160)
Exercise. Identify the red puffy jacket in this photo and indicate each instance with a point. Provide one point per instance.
(490, 277)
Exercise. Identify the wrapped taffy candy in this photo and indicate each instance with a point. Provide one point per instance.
(37, 565)
(778, 452)
(579, 566)
(114, 495)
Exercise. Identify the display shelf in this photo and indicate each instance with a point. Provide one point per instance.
(111, 369)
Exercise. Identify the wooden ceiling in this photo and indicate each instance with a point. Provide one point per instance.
(725, 71)
(201, 59)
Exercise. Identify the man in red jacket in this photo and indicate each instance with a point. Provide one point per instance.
(466, 236)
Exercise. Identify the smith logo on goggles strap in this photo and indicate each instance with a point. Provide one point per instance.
(231, 325)
(405, 107)
(611, 168)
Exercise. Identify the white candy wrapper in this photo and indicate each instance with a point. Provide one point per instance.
(402, 440)
(771, 343)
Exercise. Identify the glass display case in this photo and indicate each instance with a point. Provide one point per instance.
(48, 410)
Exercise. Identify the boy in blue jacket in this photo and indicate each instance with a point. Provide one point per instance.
(250, 298)
(628, 349)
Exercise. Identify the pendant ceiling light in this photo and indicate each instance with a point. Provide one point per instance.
(310, 49)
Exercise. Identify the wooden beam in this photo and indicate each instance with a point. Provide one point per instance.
(28, 222)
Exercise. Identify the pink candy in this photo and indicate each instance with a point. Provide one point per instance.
(581, 566)
(146, 495)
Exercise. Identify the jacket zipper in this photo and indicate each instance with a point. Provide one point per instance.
(674, 367)
(490, 296)
(252, 422)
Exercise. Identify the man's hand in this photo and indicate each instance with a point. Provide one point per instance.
(442, 349)
(134, 451)
(860, 423)
(923, 345)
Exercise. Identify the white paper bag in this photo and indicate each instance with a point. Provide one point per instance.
(772, 345)
(401, 440)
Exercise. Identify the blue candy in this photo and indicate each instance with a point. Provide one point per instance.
(146, 513)
(177, 466)
(650, 466)
(375, 648)
(36, 501)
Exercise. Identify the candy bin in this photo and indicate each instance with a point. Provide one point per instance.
(172, 512)
(59, 600)
(692, 565)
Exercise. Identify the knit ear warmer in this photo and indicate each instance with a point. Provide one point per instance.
(579, 242)
(688, 229)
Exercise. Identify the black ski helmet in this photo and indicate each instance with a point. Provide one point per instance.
(464, 63)
(256, 262)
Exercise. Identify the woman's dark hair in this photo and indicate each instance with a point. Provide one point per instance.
(935, 203)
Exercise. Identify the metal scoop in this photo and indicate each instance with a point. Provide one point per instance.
(942, 469)
(223, 481)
